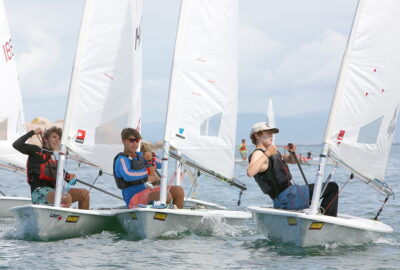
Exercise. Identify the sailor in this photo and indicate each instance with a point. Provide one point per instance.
(271, 172)
(42, 169)
(131, 174)
(243, 149)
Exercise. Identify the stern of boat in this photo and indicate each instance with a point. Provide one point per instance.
(305, 229)
(48, 223)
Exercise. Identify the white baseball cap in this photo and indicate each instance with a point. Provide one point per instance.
(261, 126)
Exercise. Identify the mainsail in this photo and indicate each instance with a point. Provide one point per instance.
(105, 91)
(12, 122)
(202, 107)
(366, 103)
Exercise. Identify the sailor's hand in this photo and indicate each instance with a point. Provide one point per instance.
(147, 156)
(69, 177)
(38, 131)
(291, 147)
(154, 180)
(272, 150)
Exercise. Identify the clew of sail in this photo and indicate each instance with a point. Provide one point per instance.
(364, 111)
(12, 122)
(105, 91)
(202, 109)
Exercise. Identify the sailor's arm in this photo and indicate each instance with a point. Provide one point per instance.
(122, 170)
(21, 145)
(259, 160)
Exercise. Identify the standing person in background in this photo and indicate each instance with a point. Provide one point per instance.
(243, 149)
(42, 169)
(131, 175)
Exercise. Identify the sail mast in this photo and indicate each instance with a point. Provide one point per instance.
(324, 152)
(167, 135)
(69, 109)
(271, 118)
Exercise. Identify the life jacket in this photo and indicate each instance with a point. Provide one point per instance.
(136, 164)
(242, 147)
(44, 171)
(276, 178)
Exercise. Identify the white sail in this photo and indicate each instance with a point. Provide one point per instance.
(202, 108)
(12, 122)
(364, 111)
(105, 91)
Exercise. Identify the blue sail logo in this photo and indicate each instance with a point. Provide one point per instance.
(180, 133)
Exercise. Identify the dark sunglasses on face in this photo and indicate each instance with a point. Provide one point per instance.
(134, 140)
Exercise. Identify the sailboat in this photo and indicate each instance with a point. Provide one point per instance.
(12, 123)
(201, 117)
(104, 97)
(358, 135)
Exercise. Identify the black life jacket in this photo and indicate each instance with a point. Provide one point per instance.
(276, 178)
(44, 171)
(136, 164)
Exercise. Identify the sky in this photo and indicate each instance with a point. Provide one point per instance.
(289, 51)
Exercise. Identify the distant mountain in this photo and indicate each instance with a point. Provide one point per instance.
(306, 128)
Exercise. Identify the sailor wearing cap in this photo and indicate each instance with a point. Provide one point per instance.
(271, 172)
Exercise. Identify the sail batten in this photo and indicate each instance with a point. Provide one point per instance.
(201, 117)
(364, 112)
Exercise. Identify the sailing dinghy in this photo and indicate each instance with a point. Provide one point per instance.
(12, 123)
(104, 97)
(201, 117)
(359, 132)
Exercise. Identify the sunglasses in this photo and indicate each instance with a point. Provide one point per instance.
(134, 140)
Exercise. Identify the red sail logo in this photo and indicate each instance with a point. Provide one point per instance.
(80, 137)
(340, 136)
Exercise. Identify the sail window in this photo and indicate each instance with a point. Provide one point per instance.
(369, 133)
(210, 126)
(3, 129)
(110, 132)
(392, 124)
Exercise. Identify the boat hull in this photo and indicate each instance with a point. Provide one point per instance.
(7, 202)
(45, 223)
(150, 223)
(305, 230)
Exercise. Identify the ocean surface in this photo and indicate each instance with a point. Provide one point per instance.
(225, 248)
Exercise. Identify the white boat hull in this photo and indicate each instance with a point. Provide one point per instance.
(44, 222)
(151, 223)
(7, 202)
(304, 229)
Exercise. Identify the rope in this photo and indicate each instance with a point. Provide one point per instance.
(380, 209)
(337, 194)
(194, 183)
(100, 174)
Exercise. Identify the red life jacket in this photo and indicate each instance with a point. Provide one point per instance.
(46, 171)
(242, 147)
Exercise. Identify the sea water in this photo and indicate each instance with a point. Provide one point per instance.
(224, 248)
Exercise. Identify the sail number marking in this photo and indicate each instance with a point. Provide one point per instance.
(7, 49)
(316, 225)
(292, 221)
(160, 216)
(72, 219)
